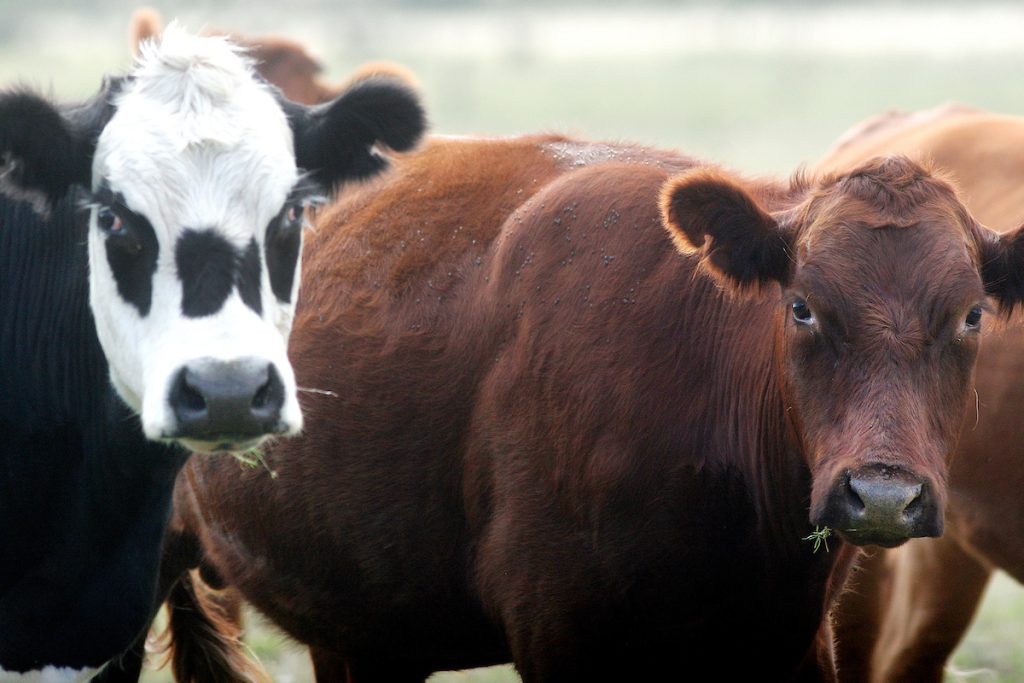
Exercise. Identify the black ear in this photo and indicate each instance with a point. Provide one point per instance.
(340, 140)
(1002, 266)
(46, 148)
(739, 243)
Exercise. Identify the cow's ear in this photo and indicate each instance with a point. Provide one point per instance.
(45, 148)
(739, 243)
(342, 140)
(1002, 266)
(146, 24)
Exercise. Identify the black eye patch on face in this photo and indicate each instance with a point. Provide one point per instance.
(284, 238)
(210, 267)
(131, 246)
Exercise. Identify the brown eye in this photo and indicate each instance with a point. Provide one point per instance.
(802, 312)
(292, 219)
(108, 221)
(973, 319)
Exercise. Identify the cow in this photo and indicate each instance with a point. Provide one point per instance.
(595, 409)
(909, 609)
(149, 266)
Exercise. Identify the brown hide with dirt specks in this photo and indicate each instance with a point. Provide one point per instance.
(536, 431)
(910, 608)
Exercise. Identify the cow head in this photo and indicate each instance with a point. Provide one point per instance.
(197, 174)
(884, 280)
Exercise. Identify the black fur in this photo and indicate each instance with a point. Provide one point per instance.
(1003, 279)
(284, 241)
(250, 271)
(206, 267)
(132, 251)
(336, 141)
(84, 498)
(209, 268)
(49, 148)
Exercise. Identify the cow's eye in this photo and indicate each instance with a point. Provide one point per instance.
(108, 221)
(802, 312)
(973, 319)
(293, 216)
(118, 232)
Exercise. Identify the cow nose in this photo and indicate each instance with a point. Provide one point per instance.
(883, 505)
(227, 401)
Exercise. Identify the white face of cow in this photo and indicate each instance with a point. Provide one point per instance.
(194, 241)
(196, 210)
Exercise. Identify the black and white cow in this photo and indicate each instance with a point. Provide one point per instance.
(175, 288)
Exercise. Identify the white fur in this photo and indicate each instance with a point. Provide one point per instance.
(49, 674)
(196, 142)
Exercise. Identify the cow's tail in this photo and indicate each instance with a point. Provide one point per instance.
(203, 635)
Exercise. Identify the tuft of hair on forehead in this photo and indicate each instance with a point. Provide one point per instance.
(190, 71)
(894, 186)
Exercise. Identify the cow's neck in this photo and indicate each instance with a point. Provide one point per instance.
(53, 379)
(53, 366)
(779, 477)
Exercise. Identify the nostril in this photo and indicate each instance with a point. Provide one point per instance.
(262, 396)
(187, 401)
(269, 397)
(854, 502)
(913, 506)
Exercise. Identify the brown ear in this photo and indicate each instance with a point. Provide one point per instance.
(145, 24)
(1002, 266)
(739, 243)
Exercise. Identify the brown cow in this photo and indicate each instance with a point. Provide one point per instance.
(540, 433)
(910, 608)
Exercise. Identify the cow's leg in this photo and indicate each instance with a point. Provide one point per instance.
(329, 667)
(180, 551)
(935, 590)
(128, 667)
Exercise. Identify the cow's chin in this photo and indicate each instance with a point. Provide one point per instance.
(855, 537)
(222, 446)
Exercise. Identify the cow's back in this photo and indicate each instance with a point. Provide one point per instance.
(982, 151)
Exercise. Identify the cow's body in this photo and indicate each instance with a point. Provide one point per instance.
(151, 299)
(910, 607)
(84, 497)
(541, 433)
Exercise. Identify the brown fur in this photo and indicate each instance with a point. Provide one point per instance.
(909, 608)
(537, 432)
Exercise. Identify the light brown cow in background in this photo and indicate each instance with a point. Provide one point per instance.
(909, 608)
(282, 61)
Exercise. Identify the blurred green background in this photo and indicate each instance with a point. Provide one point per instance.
(760, 87)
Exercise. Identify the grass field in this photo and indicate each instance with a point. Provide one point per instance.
(762, 88)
